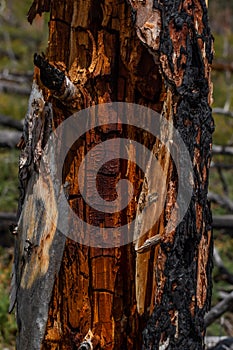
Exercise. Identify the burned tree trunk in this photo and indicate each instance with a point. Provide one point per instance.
(153, 293)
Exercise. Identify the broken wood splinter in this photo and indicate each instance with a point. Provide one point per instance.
(149, 243)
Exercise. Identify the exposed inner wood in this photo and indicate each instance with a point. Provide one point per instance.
(111, 64)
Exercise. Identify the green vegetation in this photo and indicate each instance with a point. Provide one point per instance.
(7, 322)
(9, 180)
(13, 105)
(19, 42)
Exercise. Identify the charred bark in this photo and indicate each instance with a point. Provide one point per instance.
(154, 295)
(185, 258)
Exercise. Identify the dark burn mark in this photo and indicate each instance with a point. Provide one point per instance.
(28, 249)
(13, 229)
(50, 76)
(157, 5)
(182, 18)
(133, 15)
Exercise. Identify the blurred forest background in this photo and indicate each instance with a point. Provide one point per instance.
(19, 41)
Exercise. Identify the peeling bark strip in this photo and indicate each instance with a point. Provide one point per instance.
(37, 8)
(154, 53)
(38, 247)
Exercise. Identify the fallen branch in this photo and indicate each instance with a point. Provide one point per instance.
(223, 221)
(221, 165)
(225, 150)
(219, 309)
(211, 341)
(223, 201)
(9, 217)
(222, 111)
(225, 343)
(224, 274)
(222, 66)
(9, 139)
(15, 83)
(20, 78)
(14, 88)
(11, 123)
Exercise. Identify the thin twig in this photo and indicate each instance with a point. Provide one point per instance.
(148, 244)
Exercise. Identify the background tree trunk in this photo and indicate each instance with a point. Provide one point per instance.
(114, 298)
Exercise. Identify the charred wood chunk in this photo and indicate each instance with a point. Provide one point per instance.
(180, 19)
(28, 249)
(50, 76)
(13, 228)
(157, 5)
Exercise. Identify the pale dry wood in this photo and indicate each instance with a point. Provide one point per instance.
(39, 246)
(147, 219)
(213, 340)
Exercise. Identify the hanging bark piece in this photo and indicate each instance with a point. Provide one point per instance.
(39, 246)
(148, 23)
(156, 233)
(38, 7)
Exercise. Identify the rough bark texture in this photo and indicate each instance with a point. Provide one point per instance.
(154, 53)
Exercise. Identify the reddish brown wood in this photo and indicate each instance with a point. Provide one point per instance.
(96, 287)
